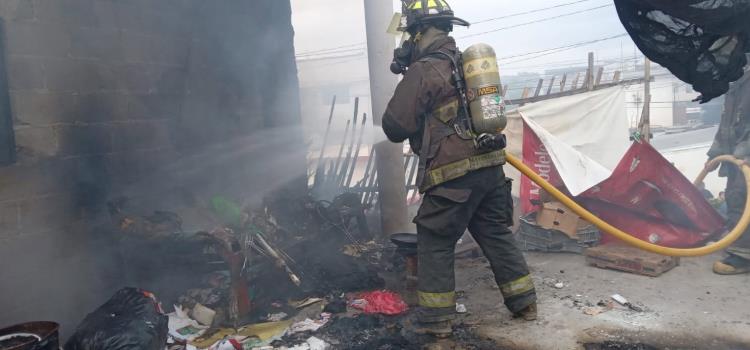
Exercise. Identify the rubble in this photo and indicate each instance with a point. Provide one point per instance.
(182, 328)
(309, 325)
(336, 305)
(297, 262)
(622, 301)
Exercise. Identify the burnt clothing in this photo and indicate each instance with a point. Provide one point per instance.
(427, 87)
(735, 199)
(702, 42)
(482, 202)
(733, 138)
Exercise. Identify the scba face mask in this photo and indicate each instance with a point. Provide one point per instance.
(402, 56)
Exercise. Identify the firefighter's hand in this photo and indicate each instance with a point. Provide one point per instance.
(711, 167)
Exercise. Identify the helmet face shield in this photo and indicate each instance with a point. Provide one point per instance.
(417, 12)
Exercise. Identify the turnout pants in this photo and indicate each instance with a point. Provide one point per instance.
(480, 201)
(735, 197)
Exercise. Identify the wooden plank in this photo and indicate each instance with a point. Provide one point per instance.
(562, 82)
(616, 77)
(630, 259)
(599, 76)
(646, 115)
(590, 73)
(526, 100)
(575, 81)
(551, 83)
(539, 87)
(525, 93)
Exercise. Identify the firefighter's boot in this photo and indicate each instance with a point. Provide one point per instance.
(441, 330)
(732, 265)
(529, 313)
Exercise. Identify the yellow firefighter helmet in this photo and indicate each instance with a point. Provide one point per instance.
(418, 12)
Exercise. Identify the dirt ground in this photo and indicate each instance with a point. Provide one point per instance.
(686, 308)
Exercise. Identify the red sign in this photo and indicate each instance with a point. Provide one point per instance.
(645, 196)
(536, 157)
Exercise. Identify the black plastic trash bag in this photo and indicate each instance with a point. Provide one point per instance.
(702, 42)
(131, 320)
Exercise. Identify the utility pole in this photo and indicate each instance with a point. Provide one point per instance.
(389, 156)
(646, 115)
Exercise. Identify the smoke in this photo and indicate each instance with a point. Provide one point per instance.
(245, 169)
(237, 135)
(378, 135)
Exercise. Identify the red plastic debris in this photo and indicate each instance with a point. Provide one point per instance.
(380, 302)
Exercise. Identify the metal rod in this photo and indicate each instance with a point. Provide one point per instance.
(412, 172)
(320, 167)
(348, 181)
(370, 183)
(341, 177)
(407, 159)
(373, 194)
(366, 177)
(279, 259)
(337, 163)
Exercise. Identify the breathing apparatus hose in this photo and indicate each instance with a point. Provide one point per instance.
(723, 243)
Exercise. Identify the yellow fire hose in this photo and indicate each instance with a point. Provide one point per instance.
(614, 231)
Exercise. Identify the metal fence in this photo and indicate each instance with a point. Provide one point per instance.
(335, 175)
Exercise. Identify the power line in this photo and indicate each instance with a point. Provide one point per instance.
(362, 44)
(342, 51)
(328, 49)
(528, 12)
(562, 48)
(536, 21)
(572, 63)
(555, 50)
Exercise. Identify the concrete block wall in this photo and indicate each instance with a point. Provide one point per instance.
(104, 93)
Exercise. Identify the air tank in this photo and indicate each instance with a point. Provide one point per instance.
(483, 89)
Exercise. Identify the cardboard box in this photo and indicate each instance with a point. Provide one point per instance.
(556, 216)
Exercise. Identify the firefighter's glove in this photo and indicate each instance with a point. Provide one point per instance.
(491, 142)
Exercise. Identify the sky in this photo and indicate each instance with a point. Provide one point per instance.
(329, 24)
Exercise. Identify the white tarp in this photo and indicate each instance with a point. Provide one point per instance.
(586, 135)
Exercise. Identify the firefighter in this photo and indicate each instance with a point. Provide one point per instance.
(733, 137)
(464, 185)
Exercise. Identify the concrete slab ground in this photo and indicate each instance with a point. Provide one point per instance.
(687, 308)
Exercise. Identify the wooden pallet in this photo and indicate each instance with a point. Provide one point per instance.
(630, 259)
